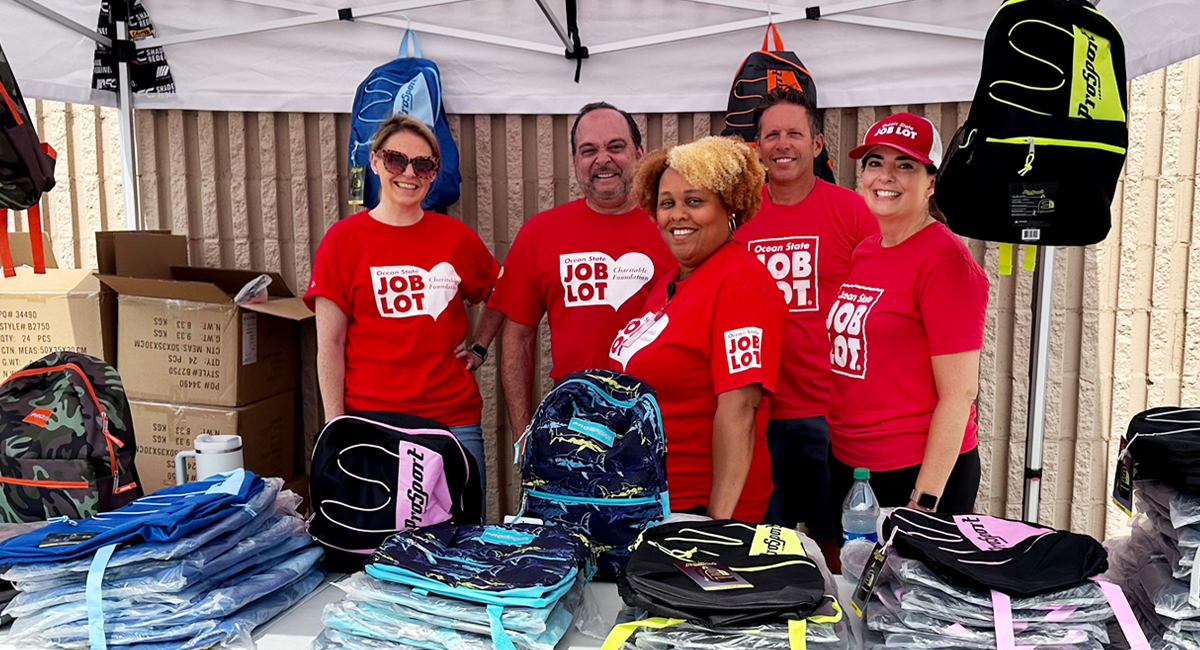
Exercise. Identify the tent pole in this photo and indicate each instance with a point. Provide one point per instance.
(1039, 362)
(37, 7)
(558, 27)
(129, 190)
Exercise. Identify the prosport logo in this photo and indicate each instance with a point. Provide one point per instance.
(39, 417)
(416, 494)
(1091, 78)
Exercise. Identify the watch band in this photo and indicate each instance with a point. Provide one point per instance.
(479, 351)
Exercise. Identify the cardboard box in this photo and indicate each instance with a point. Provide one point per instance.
(63, 309)
(181, 338)
(267, 428)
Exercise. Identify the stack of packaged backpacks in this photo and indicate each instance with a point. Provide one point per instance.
(190, 567)
(1156, 564)
(694, 583)
(451, 587)
(974, 582)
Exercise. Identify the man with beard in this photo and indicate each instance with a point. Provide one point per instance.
(587, 264)
(804, 233)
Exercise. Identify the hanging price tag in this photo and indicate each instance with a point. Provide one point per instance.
(1122, 494)
(869, 581)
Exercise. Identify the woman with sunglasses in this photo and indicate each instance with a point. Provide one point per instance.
(388, 287)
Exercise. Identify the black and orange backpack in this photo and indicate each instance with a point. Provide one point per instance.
(762, 72)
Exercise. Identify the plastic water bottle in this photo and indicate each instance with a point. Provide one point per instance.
(860, 511)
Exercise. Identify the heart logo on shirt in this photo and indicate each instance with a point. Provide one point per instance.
(639, 333)
(406, 291)
(591, 279)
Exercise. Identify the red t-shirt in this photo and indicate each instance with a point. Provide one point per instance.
(899, 306)
(589, 271)
(402, 288)
(806, 248)
(721, 330)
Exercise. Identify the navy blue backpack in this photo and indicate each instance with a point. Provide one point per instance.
(413, 86)
(594, 458)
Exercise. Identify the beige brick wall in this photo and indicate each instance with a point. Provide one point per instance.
(259, 190)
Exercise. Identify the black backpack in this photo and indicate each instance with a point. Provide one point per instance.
(26, 166)
(1038, 158)
(750, 574)
(760, 73)
(375, 473)
(66, 440)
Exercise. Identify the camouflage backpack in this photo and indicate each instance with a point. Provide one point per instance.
(66, 440)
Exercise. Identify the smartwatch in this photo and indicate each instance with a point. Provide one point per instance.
(924, 500)
(479, 351)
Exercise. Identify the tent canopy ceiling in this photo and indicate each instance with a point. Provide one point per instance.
(861, 52)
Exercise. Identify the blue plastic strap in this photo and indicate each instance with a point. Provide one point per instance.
(231, 485)
(416, 47)
(666, 503)
(94, 593)
(499, 639)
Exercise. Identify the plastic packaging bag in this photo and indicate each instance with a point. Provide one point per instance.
(388, 623)
(361, 587)
(192, 636)
(258, 506)
(911, 572)
(938, 605)
(879, 619)
(160, 589)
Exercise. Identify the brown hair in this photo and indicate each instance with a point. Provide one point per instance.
(788, 95)
(726, 166)
(397, 123)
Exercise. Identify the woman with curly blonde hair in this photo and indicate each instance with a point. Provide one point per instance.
(710, 336)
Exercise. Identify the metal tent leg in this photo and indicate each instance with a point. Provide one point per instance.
(129, 178)
(1039, 359)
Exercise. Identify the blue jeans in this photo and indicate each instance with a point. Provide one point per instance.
(471, 437)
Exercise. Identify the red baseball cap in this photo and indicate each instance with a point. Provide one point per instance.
(915, 136)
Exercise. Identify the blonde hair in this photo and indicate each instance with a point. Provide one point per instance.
(400, 122)
(727, 167)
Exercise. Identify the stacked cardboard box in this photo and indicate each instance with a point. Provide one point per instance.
(194, 362)
(63, 309)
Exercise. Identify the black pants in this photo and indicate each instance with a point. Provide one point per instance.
(894, 488)
(800, 473)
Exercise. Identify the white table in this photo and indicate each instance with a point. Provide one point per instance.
(296, 628)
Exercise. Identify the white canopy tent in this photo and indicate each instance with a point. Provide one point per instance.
(509, 56)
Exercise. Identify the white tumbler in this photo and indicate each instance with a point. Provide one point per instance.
(214, 455)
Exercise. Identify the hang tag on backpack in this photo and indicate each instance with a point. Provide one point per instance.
(712, 576)
(65, 539)
(869, 581)
(1122, 494)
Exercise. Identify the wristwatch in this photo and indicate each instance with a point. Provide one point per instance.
(924, 500)
(479, 351)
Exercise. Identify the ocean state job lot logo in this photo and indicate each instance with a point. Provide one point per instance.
(743, 349)
(406, 291)
(792, 263)
(639, 333)
(846, 324)
(591, 279)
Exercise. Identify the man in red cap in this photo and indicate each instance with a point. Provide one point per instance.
(804, 235)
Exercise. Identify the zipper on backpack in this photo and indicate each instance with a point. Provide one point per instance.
(62, 485)
(1053, 142)
(615, 501)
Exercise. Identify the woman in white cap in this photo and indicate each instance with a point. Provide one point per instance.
(905, 332)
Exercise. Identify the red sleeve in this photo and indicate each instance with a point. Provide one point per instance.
(481, 269)
(747, 336)
(952, 301)
(517, 295)
(327, 280)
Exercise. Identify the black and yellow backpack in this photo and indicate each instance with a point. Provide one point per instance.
(1038, 158)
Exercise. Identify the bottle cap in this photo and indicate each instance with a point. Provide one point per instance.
(861, 473)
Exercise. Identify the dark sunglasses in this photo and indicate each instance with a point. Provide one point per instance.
(395, 162)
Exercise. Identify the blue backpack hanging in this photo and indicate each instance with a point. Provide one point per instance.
(413, 86)
(595, 459)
